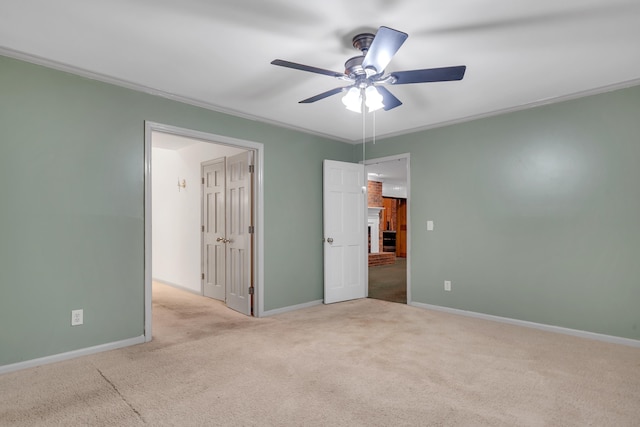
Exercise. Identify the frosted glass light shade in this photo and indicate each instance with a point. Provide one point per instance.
(353, 100)
(373, 99)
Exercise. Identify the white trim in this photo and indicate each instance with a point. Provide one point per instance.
(147, 232)
(34, 59)
(258, 265)
(549, 328)
(71, 354)
(389, 159)
(526, 106)
(92, 75)
(373, 222)
(291, 308)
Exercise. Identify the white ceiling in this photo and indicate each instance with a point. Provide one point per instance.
(217, 53)
(389, 171)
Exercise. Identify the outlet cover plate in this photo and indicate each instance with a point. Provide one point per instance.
(77, 317)
(447, 285)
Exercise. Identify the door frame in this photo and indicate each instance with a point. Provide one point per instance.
(258, 210)
(406, 156)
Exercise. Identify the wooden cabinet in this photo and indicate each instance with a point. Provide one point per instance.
(388, 214)
(394, 223)
(401, 231)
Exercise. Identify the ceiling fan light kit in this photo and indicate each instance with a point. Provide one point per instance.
(366, 72)
(355, 97)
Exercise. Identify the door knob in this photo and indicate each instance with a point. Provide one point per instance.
(221, 239)
(330, 240)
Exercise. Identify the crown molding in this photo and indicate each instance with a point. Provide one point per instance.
(92, 75)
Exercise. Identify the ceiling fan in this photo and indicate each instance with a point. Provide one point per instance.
(366, 72)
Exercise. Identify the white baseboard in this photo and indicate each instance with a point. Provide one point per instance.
(70, 355)
(175, 285)
(549, 328)
(291, 308)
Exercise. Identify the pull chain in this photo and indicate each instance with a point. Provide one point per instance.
(364, 158)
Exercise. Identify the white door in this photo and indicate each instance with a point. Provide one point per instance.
(345, 247)
(239, 232)
(213, 229)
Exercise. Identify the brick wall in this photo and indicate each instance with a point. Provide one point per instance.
(374, 194)
(382, 258)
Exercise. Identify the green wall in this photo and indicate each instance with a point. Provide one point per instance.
(537, 213)
(71, 222)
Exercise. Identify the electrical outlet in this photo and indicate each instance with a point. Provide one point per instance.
(447, 285)
(77, 317)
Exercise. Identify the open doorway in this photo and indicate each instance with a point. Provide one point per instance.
(173, 201)
(388, 226)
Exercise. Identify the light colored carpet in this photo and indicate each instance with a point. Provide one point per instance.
(365, 362)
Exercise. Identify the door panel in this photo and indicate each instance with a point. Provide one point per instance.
(239, 238)
(344, 231)
(213, 215)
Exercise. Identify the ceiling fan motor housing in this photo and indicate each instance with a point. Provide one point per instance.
(363, 41)
(353, 67)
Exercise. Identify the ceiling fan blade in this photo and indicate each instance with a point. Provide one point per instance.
(385, 44)
(429, 75)
(321, 96)
(309, 68)
(388, 99)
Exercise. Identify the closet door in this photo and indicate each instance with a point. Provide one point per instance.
(213, 229)
(239, 232)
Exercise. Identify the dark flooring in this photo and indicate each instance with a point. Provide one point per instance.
(389, 282)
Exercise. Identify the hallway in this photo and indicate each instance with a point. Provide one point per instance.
(389, 282)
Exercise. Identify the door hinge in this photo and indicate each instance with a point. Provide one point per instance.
(251, 290)
(203, 180)
(202, 276)
(203, 228)
(251, 229)
(251, 168)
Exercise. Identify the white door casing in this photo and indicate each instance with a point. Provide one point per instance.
(239, 236)
(345, 247)
(406, 157)
(213, 229)
(257, 199)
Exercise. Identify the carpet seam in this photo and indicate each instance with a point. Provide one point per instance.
(121, 396)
